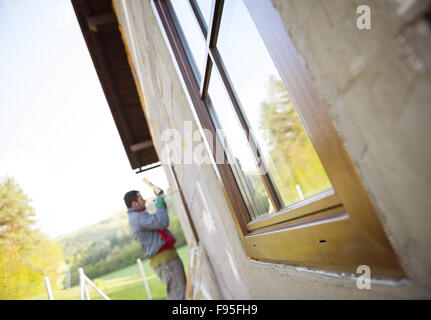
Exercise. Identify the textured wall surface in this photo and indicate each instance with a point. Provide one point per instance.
(379, 104)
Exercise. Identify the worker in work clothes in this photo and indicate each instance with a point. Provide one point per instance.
(157, 242)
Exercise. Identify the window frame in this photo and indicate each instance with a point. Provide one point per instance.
(337, 230)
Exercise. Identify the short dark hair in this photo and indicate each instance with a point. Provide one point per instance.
(129, 197)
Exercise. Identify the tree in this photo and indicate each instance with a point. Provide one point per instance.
(27, 255)
(293, 160)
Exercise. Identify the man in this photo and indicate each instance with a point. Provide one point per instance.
(157, 242)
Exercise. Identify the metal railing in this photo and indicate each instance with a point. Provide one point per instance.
(83, 290)
(141, 268)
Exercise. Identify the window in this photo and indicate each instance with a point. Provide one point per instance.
(293, 190)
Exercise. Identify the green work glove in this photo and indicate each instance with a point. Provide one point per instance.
(160, 202)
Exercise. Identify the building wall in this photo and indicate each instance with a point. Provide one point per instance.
(379, 104)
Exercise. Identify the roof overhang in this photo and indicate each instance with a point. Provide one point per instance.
(99, 26)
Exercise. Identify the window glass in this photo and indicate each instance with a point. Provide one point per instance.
(205, 7)
(285, 146)
(238, 149)
(192, 35)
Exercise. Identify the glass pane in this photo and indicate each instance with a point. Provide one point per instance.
(241, 157)
(286, 148)
(205, 7)
(192, 34)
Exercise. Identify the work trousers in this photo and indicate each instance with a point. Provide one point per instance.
(172, 274)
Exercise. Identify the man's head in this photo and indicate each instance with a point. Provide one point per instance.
(134, 199)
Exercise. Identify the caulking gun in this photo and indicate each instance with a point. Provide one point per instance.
(157, 190)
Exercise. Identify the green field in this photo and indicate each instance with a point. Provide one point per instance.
(123, 284)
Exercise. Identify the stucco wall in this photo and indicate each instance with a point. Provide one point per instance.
(378, 103)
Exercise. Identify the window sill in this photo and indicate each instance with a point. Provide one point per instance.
(311, 206)
(330, 242)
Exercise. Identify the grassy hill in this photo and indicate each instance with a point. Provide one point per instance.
(95, 234)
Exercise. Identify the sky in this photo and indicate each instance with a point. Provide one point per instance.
(58, 139)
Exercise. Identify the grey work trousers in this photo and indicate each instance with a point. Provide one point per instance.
(172, 274)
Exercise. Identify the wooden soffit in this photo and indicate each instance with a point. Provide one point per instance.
(99, 26)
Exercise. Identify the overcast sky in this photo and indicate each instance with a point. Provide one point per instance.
(57, 136)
